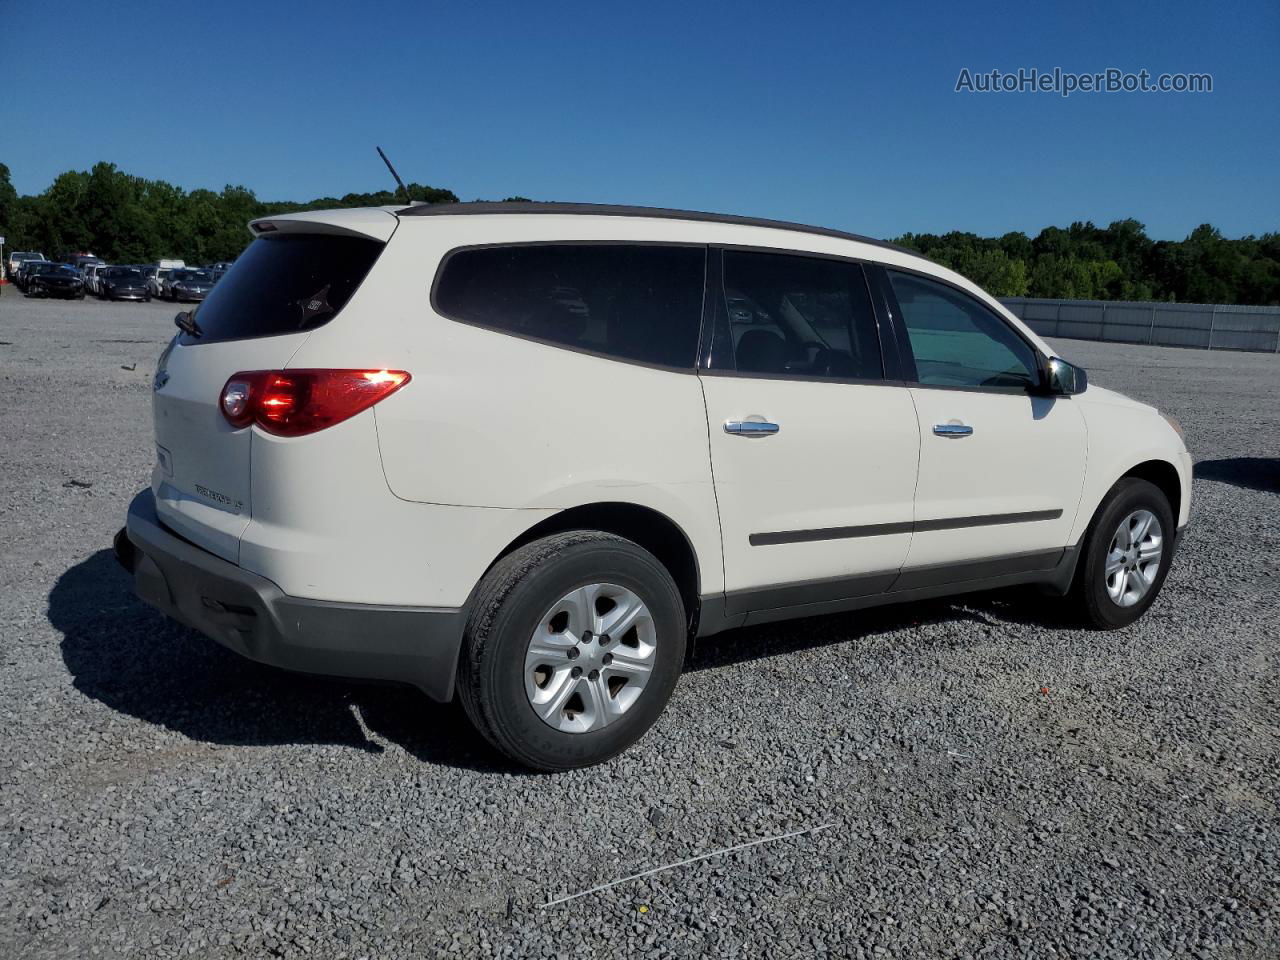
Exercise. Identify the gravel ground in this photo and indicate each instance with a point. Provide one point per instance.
(996, 782)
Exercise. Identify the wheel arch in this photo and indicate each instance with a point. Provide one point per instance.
(1163, 475)
(650, 528)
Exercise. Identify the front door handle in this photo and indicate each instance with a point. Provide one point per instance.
(952, 430)
(751, 427)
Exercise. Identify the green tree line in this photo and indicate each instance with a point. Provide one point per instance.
(128, 219)
(1118, 262)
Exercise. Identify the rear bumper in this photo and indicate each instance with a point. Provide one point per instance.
(252, 616)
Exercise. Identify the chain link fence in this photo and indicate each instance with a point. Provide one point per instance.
(1204, 325)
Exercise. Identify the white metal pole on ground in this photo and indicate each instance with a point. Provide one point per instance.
(1151, 334)
(1213, 317)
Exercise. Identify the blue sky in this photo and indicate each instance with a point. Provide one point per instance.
(839, 114)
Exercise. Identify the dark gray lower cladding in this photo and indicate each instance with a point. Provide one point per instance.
(252, 616)
(1052, 568)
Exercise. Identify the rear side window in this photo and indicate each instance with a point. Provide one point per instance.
(633, 302)
(285, 284)
(800, 316)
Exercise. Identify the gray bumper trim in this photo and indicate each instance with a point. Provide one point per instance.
(252, 616)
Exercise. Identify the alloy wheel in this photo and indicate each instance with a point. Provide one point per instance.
(1134, 557)
(590, 657)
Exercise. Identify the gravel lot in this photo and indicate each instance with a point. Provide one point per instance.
(997, 782)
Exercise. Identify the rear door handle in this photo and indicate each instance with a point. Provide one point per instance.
(750, 428)
(952, 430)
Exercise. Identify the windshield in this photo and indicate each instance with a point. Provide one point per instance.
(120, 273)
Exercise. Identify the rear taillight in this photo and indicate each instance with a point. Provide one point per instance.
(290, 403)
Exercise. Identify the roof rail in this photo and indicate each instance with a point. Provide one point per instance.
(611, 210)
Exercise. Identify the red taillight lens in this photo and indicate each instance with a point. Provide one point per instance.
(290, 403)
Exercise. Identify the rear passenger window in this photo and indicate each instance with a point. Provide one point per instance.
(632, 302)
(800, 316)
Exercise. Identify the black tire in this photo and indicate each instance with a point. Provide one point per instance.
(505, 610)
(1088, 598)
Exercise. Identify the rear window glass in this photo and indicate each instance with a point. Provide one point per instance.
(285, 284)
(634, 302)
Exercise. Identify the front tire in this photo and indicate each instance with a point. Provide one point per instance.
(1127, 552)
(543, 678)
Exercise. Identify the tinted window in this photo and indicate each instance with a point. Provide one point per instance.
(957, 342)
(285, 283)
(802, 316)
(639, 303)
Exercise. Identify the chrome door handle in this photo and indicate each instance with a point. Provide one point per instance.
(750, 428)
(952, 430)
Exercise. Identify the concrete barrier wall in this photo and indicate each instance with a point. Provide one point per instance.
(1207, 326)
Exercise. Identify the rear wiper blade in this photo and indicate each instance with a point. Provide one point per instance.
(185, 322)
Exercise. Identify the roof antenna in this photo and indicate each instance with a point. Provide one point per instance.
(403, 188)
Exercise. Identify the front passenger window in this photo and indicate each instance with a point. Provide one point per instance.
(957, 342)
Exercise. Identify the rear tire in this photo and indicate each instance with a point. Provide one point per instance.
(525, 638)
(1126, 556)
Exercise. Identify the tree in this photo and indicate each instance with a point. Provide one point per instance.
(127, 219)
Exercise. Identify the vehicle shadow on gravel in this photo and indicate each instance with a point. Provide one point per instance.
(1253, 473)
(124, 654)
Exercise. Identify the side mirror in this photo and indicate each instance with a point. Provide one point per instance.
(1064, 379)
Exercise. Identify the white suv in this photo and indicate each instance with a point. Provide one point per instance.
(527, 452)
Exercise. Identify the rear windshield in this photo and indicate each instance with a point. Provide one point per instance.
(284, 284)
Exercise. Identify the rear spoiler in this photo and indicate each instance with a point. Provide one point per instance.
(371, 222)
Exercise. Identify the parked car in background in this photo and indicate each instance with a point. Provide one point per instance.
(55, 280)
(217, 270)
(16, 259)
(763, 421)
(25, 270)
(91, 276)
(187, 286)
(123, 283)
(156, 280)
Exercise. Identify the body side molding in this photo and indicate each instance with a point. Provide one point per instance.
(907, 526)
